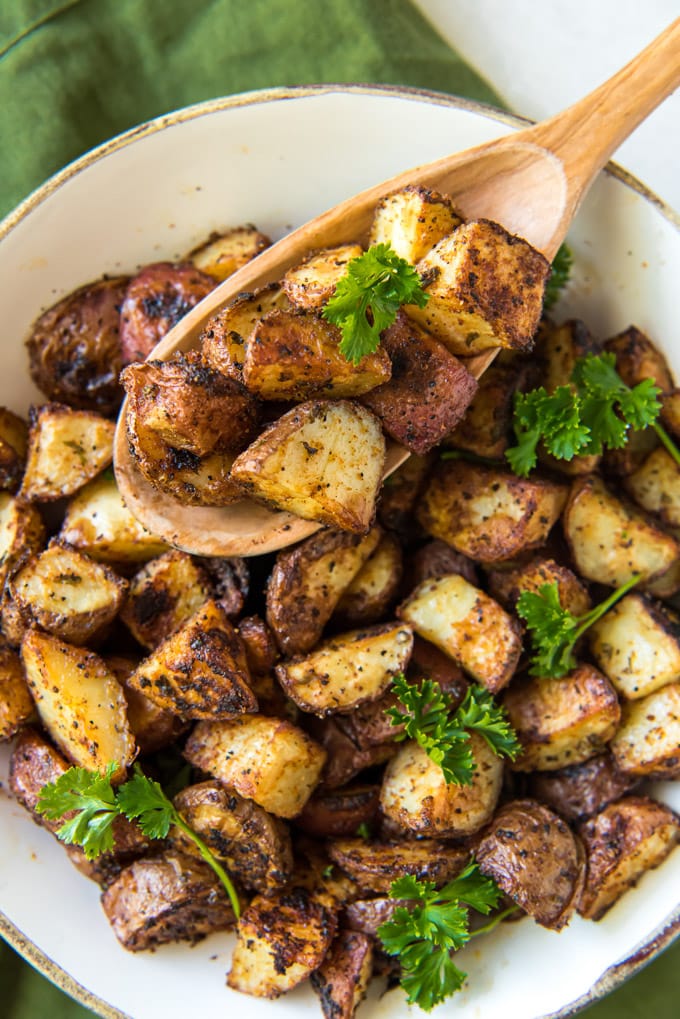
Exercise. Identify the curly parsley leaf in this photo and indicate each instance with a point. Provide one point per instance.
(560, 271)
(368, 297)
(433, 925)
(444, 734)
(554, 630)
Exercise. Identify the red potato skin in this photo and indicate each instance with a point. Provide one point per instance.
(155, 300)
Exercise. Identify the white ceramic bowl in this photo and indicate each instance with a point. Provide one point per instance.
(277, 158)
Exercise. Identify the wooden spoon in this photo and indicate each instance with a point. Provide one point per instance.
(532, 182)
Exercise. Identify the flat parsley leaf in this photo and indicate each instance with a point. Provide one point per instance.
(142, 800)
(368, 297)
(92, 799)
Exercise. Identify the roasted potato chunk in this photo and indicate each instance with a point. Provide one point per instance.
(508, 585)
(169, 897)
(375, 865)
(487, 513)
(609, 541)
(260, 647)
(562, 721)
(534, 858)
(22, 534)
(296, 356)
(155, 300)
(163, 595)
(468, 626)
(647, 742)
(152, 727)
(655, 486)
(200, 671)
(400, 493)
(264, 759)
(437, 559)
(224, 253)
(429, 390)
(637, 645)
(13, 622)
(66, 449)
(98, 522)
(486, 428)
(74, 349)
(310, 284)
(322, 460)
(342, 979)
(417, 797)
(80, 702)
(413, 220)
(13, 446)
(345, 758)
(485, 287)
(224, 338)
(622, 842)
(347, 670)
(254, 845)
(637, 359)
(581, 790)
(68, 594)
(282, 938)
(370, 594)
(16, 704)
(339, 812)
(312, 576)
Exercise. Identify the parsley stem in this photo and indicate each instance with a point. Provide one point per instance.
(494, 921)
(667, 442)
(210, 860)
(586, 621)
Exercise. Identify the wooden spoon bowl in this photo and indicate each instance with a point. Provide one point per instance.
(532, 182)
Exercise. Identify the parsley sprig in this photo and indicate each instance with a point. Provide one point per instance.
(560, 271)
(433, 925)
(95, 805)
(598, 410)
(554, 630)
(368, 297)
(444, 734)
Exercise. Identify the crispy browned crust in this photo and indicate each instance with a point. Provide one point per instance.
(437, 559)
(486, 428)
(254, 845)
(534, 858)
(16, 704)
(339, 812)
(429, 390)
(375, 865)
(262, 653)
(637, 359)
(400, 493)
(74, 349)
(23, 534)
(154, 301)
(374, 589)
(226, 333)
(345, 759)
(169, 897)
(163, 595)
(13, 445)
(342, 978)
(507, 585)
(582, 789)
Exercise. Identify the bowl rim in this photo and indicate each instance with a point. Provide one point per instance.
(669, 930)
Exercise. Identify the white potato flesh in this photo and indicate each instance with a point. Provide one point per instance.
(66, 449)
(412, 221)
(655, 486)
(310, 284)
(648, 739)
(22, 533)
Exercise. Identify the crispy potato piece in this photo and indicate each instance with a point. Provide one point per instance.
(485, 287)
(13, 447)
(98, 522)
(437, 559)
(339, 812)
(323, 460)
(488, 513)
(507, 585)
(264, 759)
(152, 727)
(622, 842)
(655, 486)
(74, 349)
(296, 356)
(416, 796)
(559, 347)
(312, 576)
(609, 541)
(254, 846)
(371, 593)
(310, 284)
(224, 338)
(342, 979)
(164, 898)
(366, 915)
(155, 300)
(163, 595)
(66, 449)
(375, 865)
(282, 938)
(637, 645)
(199, 671)
(534, 858)
(620, 463)
(13, 622)
(22, 534)
(428, 393)
(647, 742)
(666, 584)
(486, 428)
(348, 669)
(413, 220)
(223, 253)
(68, 594)
(670, 411)
(562, 721)
(581, 790)
(400, 493)
(80, 702)
(467, 625)
(16, 704)
(637, 359)
(230, 577)
(190, 406)
(344, 757)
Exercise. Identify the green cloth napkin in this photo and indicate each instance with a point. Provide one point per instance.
(75, 72)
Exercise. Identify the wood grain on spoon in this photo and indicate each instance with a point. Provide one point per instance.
(532, 182)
